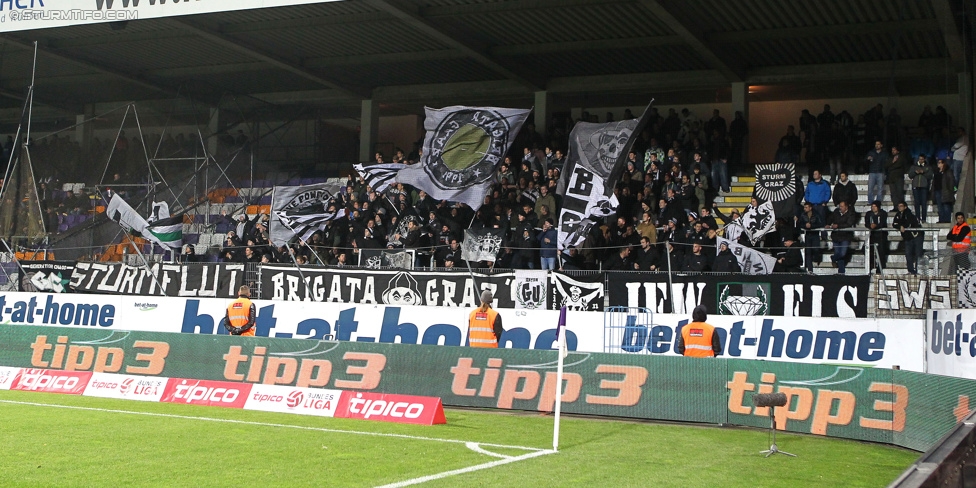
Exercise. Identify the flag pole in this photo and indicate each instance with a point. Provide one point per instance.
(561, 353)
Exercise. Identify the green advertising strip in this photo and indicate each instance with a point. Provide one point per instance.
(903, 408)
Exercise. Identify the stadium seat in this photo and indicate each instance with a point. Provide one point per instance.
(252, 210)
(264, 209)
(265, 200)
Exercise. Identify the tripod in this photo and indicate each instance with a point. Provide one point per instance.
(773, 449)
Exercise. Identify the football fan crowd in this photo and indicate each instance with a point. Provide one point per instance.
(666, 218)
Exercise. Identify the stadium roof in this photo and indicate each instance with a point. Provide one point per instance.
(406, 53)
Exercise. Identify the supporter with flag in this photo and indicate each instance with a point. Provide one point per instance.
(595, 162)
(462, 150)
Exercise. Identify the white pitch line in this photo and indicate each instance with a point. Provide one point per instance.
(469, 469)
(476, 448)
(268, 424)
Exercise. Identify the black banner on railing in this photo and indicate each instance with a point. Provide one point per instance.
(175, 280)
(430, 288)
(45, 276)
(740, 294)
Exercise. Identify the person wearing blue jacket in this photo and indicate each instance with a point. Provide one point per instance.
(818, 194)
(547, 245)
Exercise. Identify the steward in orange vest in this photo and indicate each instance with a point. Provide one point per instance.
(959, 238)
(239, 319)
(698, 339)
(484, 324)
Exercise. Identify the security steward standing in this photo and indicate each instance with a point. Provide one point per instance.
(959, 239)
(239, 319)
(484, 324)
(698, 339)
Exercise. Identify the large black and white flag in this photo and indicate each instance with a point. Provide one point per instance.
(752, 261)
(776, 183)
(379, 176)
(758, 221)
(482, 244)
(462, 149)
(593, 166)
(303, 210)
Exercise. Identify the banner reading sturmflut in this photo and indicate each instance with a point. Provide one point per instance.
(462, 149)
(593, 166)
(302, 210)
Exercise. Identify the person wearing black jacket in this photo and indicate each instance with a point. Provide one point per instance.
(905, 221)
(895, 174)
(647, 256)
(619, 261)
(877, 221)
(696, 262)
(788, 258)
(808, 222)
(726, 262)
(676, 258)
(845, 191)
(841, 218)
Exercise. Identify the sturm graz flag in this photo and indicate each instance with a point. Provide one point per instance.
(593, 166)
(462, 149)
(303, 210)
(776, 183)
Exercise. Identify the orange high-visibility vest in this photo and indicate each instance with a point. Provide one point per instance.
(481, 328)
(964, 245)
(698, 340)
(239, 314)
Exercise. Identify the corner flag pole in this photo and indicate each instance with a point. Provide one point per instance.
(561, 341)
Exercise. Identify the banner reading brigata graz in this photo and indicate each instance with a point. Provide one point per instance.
(950, 342)
(16, 15)
(521, 290)
(740, 294)
(176, 280)
(899, 407)
(856, 342)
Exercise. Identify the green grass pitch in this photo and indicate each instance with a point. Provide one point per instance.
(82, 441)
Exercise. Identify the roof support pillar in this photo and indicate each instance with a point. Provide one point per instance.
(369, 123)
(542, 112)
(740, 103)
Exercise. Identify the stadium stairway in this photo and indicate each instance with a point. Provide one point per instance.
(741, 194)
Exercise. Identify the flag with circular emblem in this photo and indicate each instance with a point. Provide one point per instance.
(462, 149)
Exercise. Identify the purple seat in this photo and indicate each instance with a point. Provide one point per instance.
(71, 220)
(62, 227)
(191, 238)
(293, 182)
(306, 181)
(233, 200)
(265, 200)
(223, 228)
(199, 218)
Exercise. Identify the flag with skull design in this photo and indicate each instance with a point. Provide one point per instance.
(595, 161)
